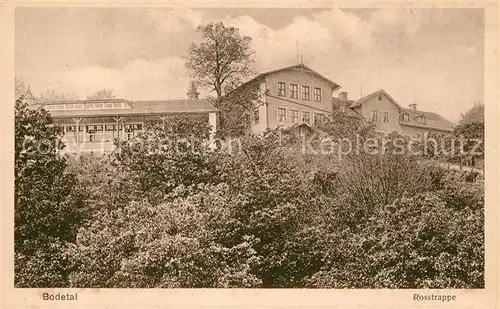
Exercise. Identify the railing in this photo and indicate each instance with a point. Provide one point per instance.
(73, 147)
(465, 168)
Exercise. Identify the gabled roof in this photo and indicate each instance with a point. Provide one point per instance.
(297, 126)
(433, 120)
(348, 111)
(303, 67)
(362, 100)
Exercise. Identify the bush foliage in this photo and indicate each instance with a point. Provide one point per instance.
(150, 215)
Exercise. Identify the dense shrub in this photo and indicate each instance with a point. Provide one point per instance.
(158, 214)
(48, 210)
(167, 245)
(417, 242)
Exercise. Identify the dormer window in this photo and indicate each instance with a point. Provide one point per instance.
(422, 120)
(379, 97)
(406, 117)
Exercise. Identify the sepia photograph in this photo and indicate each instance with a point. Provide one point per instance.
(312, 148)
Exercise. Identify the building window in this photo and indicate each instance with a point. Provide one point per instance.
(406, 117)
(89, 105)
(98, 128)
(306, 93)
(342, 108)
(90, 129)
(422, 120)
(256, 117)
(98, 105)
(281, 89)
(380, 96)
(110, 127)
(137, 126)
(294, 91)
(306, 117)
(60, 106)
(79, 106)
(318, 118)
(70, 106)
(294, 115)
(117, 104)
(109, 105)
(281, 114)
(317, 94)
(385, 117)
(70, 128)
(374, 117)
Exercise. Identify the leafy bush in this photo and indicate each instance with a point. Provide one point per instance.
(48, 210)
(266, 215)
(415, 242)
(168, 245)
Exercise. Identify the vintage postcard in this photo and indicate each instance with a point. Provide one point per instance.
(250, 154)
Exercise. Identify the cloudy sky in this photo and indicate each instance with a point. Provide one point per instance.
(433, 57)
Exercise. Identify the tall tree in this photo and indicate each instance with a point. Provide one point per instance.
(470, 131)
(102, 94)
(222, 60)
(20, 88)
(52, 95)
(474, 114)
(46, 212)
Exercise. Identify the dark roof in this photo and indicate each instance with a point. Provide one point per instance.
(362, 100)
(297, 66)
(298, 126)
(348, 111)
(136, 108)
(433, 120)
(173, 106)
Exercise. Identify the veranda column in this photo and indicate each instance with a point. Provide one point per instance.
(212, 120)
(117, 120)
(77, 128)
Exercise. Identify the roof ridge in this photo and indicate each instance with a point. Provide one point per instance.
(300, 65)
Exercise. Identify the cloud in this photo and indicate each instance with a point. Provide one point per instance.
(411, 53)
(174, 21)
(138, 79)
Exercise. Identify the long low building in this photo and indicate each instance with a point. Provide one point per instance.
(93, 125)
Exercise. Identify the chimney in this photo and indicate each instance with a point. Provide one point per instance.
(343, 96)
(413, 106)
(193, 92)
